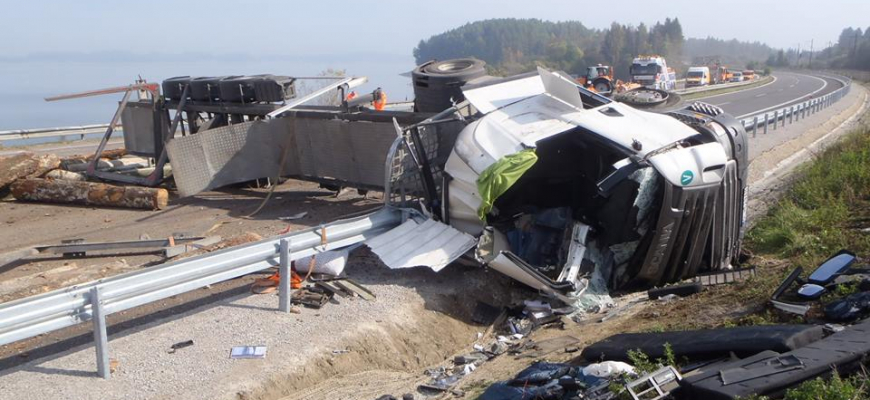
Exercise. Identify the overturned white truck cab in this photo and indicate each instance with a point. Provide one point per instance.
(563, 189)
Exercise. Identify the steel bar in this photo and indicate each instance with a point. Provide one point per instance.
(350, 82)
(151, 87)
(92, 167)
(101, 336)
(121, 245)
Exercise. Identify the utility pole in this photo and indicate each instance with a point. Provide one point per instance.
(798, 63)
(811, 54)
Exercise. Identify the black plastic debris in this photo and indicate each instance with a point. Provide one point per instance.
(485, 314)
(683, 290)
(849, 308)
(770, 373)
(542, 380)
(706, 343)
(180, 345)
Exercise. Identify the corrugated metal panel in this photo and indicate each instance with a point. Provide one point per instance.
(412, 244)
(351, 152)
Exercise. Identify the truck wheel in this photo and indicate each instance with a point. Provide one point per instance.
(437, 83)
(602, 85)
(460, 69)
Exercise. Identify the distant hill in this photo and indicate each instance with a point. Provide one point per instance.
(512, 46)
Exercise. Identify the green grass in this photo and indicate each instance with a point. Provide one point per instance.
(825, 209)
(836, 388)
(822, 213)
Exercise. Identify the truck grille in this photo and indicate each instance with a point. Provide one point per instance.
(695, 222)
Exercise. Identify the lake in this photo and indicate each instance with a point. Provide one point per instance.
(25, 82)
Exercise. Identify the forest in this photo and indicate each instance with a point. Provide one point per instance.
(511, 46)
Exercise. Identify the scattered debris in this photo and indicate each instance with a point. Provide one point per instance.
(114, 365)
(849, 308)
(243, 352)
(485, 314)
(656, 385)
(311, 296)
(330, 262)
(548, 346)
(180, 345)
(727, 276)
(89, 193)
(682, 290)
(294, 216)
(821, 281)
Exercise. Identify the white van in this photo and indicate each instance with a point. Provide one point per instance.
(698, 76)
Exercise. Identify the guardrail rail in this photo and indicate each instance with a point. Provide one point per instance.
(796, 112)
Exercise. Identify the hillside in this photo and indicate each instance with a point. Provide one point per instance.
(517, 45)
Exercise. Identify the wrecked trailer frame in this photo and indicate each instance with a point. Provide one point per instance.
(694, 161)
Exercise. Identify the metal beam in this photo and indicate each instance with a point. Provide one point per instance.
(350, 83)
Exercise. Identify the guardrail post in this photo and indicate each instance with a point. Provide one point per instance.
(791, 115)
(101, 337)
(755, 127)
(775, 119)
(765, 123)
(285, 276)
(784, 112)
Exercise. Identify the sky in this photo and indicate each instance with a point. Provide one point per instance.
(387, 27)
(51, 47)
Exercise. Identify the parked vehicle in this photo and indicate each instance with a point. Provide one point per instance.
(698, 76)
(748, 75)
(652, 71)
(599, 79)
(737, 76)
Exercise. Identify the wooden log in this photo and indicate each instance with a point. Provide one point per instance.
(25, 165)
(111, 165)
(66, 175)
(89, 193)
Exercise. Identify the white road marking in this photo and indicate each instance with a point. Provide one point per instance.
(825, 83)
(722, 104)
(762, 94)
(725, 94)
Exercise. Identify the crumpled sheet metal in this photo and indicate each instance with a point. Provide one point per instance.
(412, 244)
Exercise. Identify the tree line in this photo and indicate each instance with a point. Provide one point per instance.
(512, 46)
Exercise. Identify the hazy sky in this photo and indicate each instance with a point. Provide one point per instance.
(311, 28)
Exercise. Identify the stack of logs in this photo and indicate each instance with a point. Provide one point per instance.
(47, 178)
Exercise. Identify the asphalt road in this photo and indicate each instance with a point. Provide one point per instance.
(788, 88)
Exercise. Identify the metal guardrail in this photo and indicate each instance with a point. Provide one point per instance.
(92, 301)
(81, 131)
(795, 112)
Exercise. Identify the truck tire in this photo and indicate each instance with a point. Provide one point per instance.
(602, 85)
(437, 84)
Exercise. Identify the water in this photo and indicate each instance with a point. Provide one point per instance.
(24, 83)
